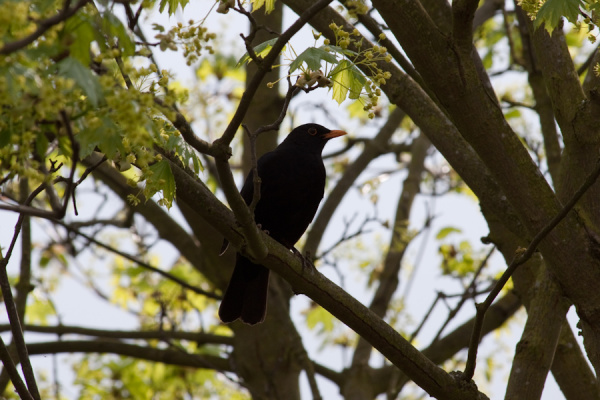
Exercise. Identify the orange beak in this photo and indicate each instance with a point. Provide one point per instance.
(334, 133)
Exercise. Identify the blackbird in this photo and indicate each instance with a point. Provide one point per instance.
(292, 186)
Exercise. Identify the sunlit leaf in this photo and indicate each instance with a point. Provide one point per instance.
(173, 4)
(444, 232)
(260, 50)
(162, 180)
(347, 78)
(319, 315)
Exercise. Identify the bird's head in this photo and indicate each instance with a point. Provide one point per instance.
(313, 136)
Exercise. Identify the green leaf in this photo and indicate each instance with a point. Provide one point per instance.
(338, 49)
(357, 83)
(106, 137)
(347, 78)
(82, 32)
(341, 81)
(173, 4)
(260, 50)
(161, 180)
(41, 145)
(446, 231)
(270, 6)
(553, 10)
(312, 57)
(319, 315)
(115, 28)
(84, 78)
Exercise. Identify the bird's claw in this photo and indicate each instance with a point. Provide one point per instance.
(264, 230)
(306, 259)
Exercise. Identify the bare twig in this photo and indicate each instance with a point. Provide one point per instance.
(274, 126)
(11, 369)
(197, 337)
(520, 258)
(141, 263)
(13, 315)
(469, 292)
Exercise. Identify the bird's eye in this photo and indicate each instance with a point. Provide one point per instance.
(312, 131)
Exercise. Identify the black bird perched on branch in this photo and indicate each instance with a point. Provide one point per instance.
(292, 186)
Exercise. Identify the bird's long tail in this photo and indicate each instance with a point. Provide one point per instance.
(246, 295)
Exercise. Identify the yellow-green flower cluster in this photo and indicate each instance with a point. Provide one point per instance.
(531, 7)
(356, 7)
(369, 58)
(192, 38)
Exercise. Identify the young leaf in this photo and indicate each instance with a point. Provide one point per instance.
(161, 180)
(338, 49)
(312, 57)
(172, 5)
(83, 77)
(270, 6)
(553, 10)
(342, 78)
(82, 32)
(446, 231)
(357, 82)
(257, 5)
(260, 50)
(106, 137)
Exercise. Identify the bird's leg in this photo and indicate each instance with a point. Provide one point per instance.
(224, 247)
(306, 259)
(264, 230)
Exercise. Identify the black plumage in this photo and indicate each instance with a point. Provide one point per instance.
(292, 186)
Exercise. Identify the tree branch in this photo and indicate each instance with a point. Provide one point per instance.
(141, 263)
(61, 330)
(171, 357)
(12, 372)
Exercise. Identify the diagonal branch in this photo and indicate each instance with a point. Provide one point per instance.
(141, 263)
(13, 373)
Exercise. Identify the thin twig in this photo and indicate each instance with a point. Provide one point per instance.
(141, 263)
(13, 315)
(469, 292)
(264, 67)
(11, 369)
(520, 258)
